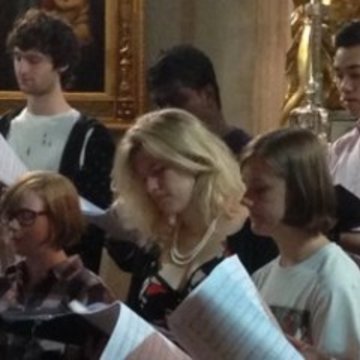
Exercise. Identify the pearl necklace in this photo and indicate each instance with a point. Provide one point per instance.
(183, 259)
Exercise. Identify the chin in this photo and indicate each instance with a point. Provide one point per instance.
(260, 230)
(353, 109)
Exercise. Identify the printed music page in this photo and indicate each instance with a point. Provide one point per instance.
(132, 338)
(224, 318)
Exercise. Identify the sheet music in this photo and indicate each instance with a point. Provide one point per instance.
(134, 339)
(223, 318)
(90, 209)
(11, 167)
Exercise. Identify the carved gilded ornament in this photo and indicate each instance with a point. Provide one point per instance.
(298, 60)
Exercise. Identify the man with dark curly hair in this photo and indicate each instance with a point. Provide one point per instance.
(49, 134)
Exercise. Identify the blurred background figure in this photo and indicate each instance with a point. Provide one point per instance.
(42, 216)
(298, 63)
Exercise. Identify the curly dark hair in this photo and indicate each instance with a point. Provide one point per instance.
(186, 65)
(348, 35)
(49, 34)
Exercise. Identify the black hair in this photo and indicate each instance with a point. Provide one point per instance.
(184, 65)
(348, 35)
(49, 34)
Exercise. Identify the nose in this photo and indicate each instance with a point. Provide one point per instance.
(21, 65)
(152, 184)
(9, 229)
(246, 200)
(13, 225)
(345, 84)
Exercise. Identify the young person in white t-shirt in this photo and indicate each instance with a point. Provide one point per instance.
(313, 287)
(48, 133)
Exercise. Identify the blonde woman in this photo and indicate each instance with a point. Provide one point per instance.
(182, 189)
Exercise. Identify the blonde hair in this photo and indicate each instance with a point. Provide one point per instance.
(179, 139)
(60, 199)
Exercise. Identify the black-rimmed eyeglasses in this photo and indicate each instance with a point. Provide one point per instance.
(25, 217)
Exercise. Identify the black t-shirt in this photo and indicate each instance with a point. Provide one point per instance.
(236, 139)
(253, 250)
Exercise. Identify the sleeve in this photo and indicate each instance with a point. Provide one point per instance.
(94, 176)
(254, 251)
(259, 276)
(335, 319)
(337, 148)
(89, 289)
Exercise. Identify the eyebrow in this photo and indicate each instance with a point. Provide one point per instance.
(349, 67)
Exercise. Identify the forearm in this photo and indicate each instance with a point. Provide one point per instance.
(350, 242)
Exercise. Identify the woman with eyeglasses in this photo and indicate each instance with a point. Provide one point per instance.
(41, 216)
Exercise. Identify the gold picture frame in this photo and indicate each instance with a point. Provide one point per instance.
(121, 97)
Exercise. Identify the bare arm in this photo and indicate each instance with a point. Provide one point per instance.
(350, 241)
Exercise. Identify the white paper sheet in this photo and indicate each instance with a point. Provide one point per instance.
(135, 339)
(90, 209)
(132, 338)
(224, 319)
(11, 167)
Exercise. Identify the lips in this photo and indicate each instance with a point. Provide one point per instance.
(25, 81)
(350, 100)
(16, 239)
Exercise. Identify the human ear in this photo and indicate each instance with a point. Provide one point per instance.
(209, 93)
(62, 69)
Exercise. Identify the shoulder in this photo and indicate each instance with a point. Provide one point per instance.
(260, 276)
(83, 284)
(6, 119)
(89, 142)
(93, 131)
(11, 276)
(254, 251)
(338, 275)
(334, 304)
(86, 123)
(202, 271)
(346, 141)
(236, 139)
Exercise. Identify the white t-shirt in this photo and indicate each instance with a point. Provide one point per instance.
(39, 140)
(344, 160)
(317, 300)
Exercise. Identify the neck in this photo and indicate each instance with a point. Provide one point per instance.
(188, 222)
(51, 103)
(43, 261)
(296, 245)
(217, 123)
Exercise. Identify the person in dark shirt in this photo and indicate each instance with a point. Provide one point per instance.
(184, 77)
